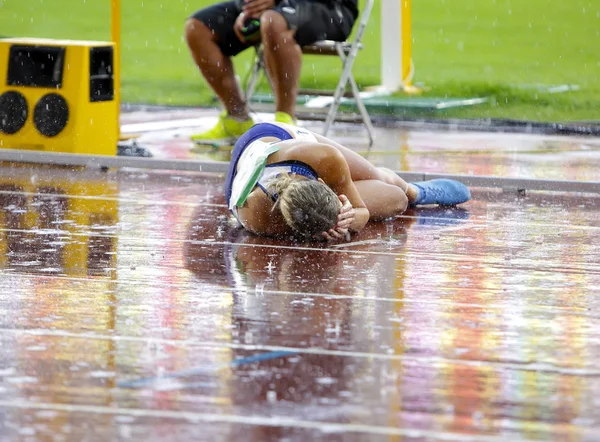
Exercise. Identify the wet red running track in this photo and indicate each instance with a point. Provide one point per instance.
(131, 307)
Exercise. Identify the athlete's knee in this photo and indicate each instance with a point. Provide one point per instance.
(400, 201)
(388, 176)
(272, 20)
(196, 33)
(403, 203)
(273, 26)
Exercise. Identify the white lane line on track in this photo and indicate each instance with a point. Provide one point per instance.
(275, 421)
(430, 360)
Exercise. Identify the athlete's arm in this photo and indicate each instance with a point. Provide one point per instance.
(331, 166)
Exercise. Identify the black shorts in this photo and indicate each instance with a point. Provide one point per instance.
(313, 20)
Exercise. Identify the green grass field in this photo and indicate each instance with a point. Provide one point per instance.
(461, 48)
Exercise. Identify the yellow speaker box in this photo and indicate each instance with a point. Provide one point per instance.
(58, 96)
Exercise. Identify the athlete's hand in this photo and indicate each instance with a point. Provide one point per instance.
(253, 8)
(344, 221)
(238, 26)
(347, 213)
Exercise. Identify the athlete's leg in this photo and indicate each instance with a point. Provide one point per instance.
(382, 199)
(285, 29)
(212, 42)
(362, 169)
(283, 59)
(440, 191)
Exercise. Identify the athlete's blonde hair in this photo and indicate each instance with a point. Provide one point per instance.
(309, 207)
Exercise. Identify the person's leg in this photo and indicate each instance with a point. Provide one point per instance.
(283, 59)
(382, 199)
(216, 68)
(284, 30)
(212, 42)
(439, 191)
(362, 169)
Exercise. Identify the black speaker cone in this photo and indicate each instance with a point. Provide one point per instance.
(51, 115)
(13, 112)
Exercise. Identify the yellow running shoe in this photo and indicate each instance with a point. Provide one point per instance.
(224, 133)
(282, 117)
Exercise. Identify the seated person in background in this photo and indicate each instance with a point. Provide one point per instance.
(215, 34)
(286, 181)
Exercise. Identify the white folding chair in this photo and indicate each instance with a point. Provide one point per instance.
(347, 52)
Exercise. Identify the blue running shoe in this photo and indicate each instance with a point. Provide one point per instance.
(441, 191)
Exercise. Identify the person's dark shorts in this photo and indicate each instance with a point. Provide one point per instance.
(313, 21)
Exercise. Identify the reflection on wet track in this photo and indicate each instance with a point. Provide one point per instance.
(133, 308)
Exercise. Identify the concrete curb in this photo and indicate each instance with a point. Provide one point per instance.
(102, 161)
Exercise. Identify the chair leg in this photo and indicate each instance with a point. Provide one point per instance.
(347, 62)
(362, 109)
(333, 108)
(256, 68)
(339, 90)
